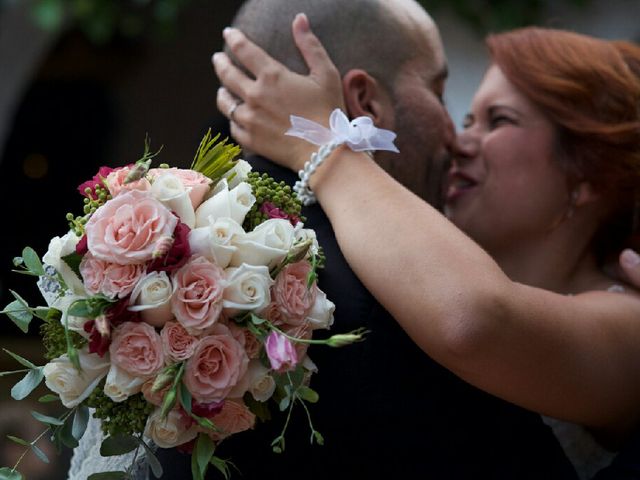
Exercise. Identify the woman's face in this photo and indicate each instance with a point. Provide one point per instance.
(505, 185)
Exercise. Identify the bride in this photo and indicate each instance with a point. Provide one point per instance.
(511, 291)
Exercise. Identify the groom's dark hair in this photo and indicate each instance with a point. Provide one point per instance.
(361, 34)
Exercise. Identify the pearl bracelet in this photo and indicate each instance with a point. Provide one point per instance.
(304, 193)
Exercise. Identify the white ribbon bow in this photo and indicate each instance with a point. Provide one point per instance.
(360, 134)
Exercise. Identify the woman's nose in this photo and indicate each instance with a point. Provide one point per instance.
(466, 146)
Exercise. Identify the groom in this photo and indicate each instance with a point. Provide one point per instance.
(386, 410)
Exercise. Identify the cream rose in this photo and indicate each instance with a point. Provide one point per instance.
(257, 381)
(196, 184)
(216, 241)
(169, 190)
(152, 298)
(306, 234)
(238, 174)
(130, 228)
(267, 244)
(216, 366)
(120, 385)
(197, 294)
(176, 429)
(321, 314)
(248, 288)
(60, 247)
(234, 203)
(72, 386)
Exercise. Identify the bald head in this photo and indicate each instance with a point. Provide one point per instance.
(377, 36)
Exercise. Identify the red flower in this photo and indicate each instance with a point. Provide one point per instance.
(82, 247)
(271, 211)
(177, 255)
(96, 181)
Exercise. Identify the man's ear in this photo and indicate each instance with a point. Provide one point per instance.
(365, 96)
(583, 194)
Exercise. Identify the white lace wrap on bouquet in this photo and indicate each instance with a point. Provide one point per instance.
(86, 459)
(360, 135)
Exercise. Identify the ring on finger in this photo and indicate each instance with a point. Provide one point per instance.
(232, 110)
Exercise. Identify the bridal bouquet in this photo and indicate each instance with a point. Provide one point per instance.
(180, 306)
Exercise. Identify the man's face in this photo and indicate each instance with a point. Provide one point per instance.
(423, 126)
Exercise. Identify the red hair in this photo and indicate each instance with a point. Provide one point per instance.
(590, 90)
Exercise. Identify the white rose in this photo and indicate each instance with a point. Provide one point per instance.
(248, 288)
(72, 386)
(171, 192)
(152, 298)
(172, 431)
(261, 384)
(233, 204)
(216, 241)
(304, 234)
(239, 172)
(321, 314)
(61, 247)
(267, 244)
(120, 385)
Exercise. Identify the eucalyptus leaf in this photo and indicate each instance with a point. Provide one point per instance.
(118, 445)
(28, 384)
(19, 314)
(46, 419)
(80, 421)
(32, 261)
(108, 476)
(41, 312)
(284, 403)
(48, 398)
(19, 441)
(65, 436)
(308, 394)
(39, 453)
(154, 463)
(7, 473)
(21, 360)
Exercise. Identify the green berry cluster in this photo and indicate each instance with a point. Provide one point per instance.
(266, 189)
(91, 204)
(54, 340)
(126, 417)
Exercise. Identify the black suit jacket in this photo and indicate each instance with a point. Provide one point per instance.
(386, 409)
(626, 465)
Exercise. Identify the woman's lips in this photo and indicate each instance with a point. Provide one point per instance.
(458, 184)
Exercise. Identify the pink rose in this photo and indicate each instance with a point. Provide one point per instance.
(216, 366)
(196, 184)
(154, 398)
(291, 294)
(108, 278)
(273, 314)
(177, 343)
(115, 182)
(130, 228)
(234, 417)
(197, 299)
(302, 331)
(137, 349)
(281, 352)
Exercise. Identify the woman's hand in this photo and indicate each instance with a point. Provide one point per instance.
(261, 117)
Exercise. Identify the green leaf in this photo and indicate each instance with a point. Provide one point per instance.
(46, 419)
(73, 261)
(48, 398)
(4, 374)
(80, 421)
(203, 452)
(284, 403)
(118, 445)
(196, 474)
(64, 435)
(28, 384)
(19, 314)
(222, 466)
(307, 394)
(185, 398)
(80, 308)
(154, 463)
(108, 476)
(256, 320)
(21, 360)
(17, 261)
(7, 473)
(39, 453)
(42, 312)
(32, 261)
(319, 438)
(19, 441)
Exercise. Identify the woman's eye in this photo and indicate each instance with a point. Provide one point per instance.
(499, 120)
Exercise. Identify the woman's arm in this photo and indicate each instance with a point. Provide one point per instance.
(576, 358)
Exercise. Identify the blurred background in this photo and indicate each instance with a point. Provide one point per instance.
(83, 81)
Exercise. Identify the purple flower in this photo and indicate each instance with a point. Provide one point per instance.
(281, 352)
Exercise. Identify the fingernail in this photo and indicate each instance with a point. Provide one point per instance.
(216, 56)
(629, 258)
(304, 25)
(226, 31)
